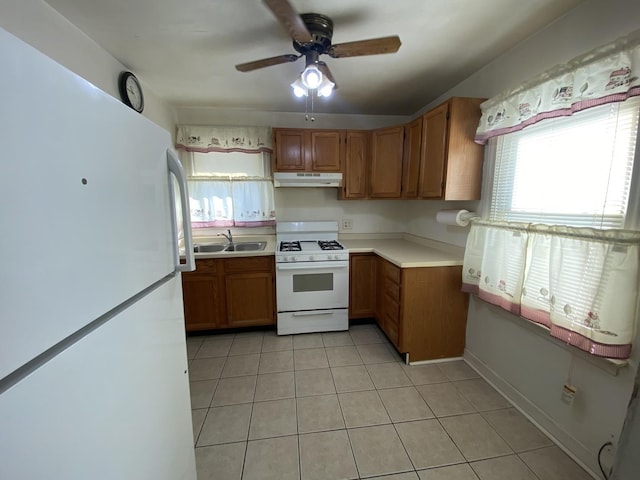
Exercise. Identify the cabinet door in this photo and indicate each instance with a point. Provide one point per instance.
(249, 299)
(412, 153)
(362, 285)
(355, 181)
(201, 298)
(289, 150)
(386, 162)
(325, 150)
(249, 291)
(434, 139)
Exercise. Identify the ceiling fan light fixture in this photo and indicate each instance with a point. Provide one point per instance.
(311, 77)
(299, 90)
(326, 88)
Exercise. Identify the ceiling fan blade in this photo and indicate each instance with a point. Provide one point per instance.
(327, 73)
(373, 46)
(266, 62)
(290, 20)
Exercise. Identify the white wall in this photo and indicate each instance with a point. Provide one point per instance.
(368, 216)
(37, 24)
(527, 364)
(230, 116)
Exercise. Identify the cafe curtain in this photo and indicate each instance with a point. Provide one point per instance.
(580, 283)
(223, 203)
(607, 74)
(203, 139)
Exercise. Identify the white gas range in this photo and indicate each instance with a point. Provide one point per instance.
(312, 278)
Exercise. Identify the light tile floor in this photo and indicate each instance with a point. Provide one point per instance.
(343, 406)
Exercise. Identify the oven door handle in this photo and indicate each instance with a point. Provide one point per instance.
(323, 266)
(312, 312)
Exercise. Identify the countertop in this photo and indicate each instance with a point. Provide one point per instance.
(408, 251)
(403, 250)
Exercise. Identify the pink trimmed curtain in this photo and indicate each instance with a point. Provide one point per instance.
(203, 139)
(241, 203)
(608, 74)
(580, 283)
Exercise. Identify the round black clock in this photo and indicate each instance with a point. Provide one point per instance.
(131, 91)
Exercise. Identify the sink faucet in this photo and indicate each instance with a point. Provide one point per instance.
(229, 237)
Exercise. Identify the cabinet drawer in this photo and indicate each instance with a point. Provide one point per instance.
(204, 266)
(391, 329)
(392, 290)
(248, 264)
(391, 272)
(391, 310)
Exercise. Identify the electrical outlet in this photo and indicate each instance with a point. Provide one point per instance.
(347, 224)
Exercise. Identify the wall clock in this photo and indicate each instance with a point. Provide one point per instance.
(131, 91)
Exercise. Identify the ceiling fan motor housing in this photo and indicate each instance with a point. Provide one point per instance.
(321, 29)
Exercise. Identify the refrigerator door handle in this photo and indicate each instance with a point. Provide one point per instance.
(175, 167)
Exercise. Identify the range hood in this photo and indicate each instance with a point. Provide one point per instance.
(307, 179)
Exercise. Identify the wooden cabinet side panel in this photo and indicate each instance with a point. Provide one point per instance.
(463, 177)
(356, 165)
(434, 133)
(362, 285)
(434, 313)
(289, 150)
(325, 150)
(386, 163)
(411, 161)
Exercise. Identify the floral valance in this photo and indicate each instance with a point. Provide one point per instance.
(580, 283)
(608, 74)
(203, 139)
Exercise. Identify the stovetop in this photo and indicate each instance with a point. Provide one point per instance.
(309, 242)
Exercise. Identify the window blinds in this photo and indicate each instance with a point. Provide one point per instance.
(572, 171)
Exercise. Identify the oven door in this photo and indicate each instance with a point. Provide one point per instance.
(312, 286)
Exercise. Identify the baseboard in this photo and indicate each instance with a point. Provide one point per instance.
(567, 443)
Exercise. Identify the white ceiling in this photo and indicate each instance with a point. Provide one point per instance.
(185, 50)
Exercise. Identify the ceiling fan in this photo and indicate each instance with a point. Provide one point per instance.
(311, 34)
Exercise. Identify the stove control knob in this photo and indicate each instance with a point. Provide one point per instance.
(311, 258)
(294, 259)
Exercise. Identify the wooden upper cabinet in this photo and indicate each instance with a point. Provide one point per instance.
(451, 165)
(289, 150)
(434, 131)
(356, 165)
(307, 150)
(463, 178)
(386, 162)
(325, 150)
(411, 162)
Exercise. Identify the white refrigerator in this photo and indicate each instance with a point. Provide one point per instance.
(93, 367)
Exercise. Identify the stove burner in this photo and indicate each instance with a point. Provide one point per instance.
(330, 245)
(290, 246)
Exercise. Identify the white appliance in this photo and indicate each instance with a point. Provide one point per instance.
(307, 179)
(312, 278)
(93, 367)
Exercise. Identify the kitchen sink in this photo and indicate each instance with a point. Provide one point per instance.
(209, 248)
(233, 247)
(245, 246)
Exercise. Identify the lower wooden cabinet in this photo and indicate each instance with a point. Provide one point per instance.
(421, 310)
(362, 285)
(229, 293)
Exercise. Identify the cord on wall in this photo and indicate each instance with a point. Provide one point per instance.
(604, 445)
